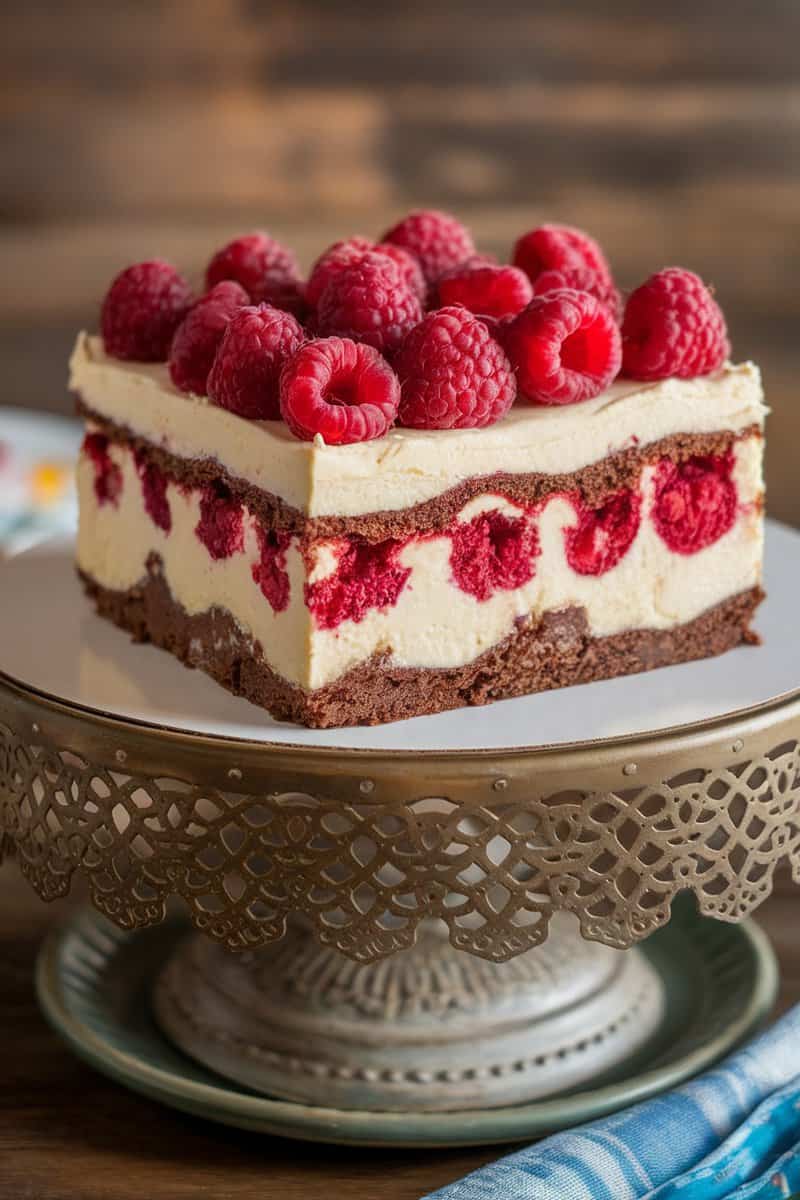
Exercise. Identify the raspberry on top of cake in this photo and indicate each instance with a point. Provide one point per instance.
(420, 478)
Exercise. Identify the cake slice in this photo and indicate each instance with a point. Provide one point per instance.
(424, 568)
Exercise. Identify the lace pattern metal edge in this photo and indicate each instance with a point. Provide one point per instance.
(366, 872)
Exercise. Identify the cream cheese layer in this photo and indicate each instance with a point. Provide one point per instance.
(408, 466)
(433, 623)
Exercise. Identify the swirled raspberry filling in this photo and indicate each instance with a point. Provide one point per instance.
(221, 524)
(603, 535)
(366, 576)
(695, 502)
(154, 492)
(107, 475)
(270, 571)
(494, 552)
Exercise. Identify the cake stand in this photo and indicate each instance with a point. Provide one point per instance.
(441, 916)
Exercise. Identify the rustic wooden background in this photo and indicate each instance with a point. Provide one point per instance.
(133, 128)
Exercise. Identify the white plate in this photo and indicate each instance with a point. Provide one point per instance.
(51, 639)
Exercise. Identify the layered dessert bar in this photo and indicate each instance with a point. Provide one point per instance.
(487, 490)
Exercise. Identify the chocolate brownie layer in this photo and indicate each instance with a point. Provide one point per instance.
(595, 483)
(555, 652)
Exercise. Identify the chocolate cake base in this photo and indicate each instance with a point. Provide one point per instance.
(556, 651)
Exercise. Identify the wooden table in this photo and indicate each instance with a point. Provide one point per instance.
(67, 1133)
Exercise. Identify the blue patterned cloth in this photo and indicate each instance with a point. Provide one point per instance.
(731, 1134)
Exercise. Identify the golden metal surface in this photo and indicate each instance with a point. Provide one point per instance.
(367, 844)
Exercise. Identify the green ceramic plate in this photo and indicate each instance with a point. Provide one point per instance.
(94, 987)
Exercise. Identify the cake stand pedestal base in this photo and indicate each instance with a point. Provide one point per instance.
(429, 1029)
(96, 985)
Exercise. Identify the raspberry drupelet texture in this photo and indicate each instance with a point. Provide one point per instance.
(556, 247)
(345, 391)
(436, 239)
(199, 334)
(245, 377)
(267, 271)
(369, 301)
(344, 254)
(581, 279)
(408, 266)
(486, 290)
(142, 309)
(332, 262)
(454, 374)
(673, 327)
(564, 347)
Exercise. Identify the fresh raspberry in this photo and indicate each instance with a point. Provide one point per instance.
(245, 377)
(154, 491)
(221, 524)
(343, 390)
(494, 552)
(196, 339)
(488, 291)
(332, 262)
(408, 265)
(270, 571)
(581, 279)
(142, 309)
(455, 375)
(344, 254)
(673, 327)
(366, 576)
(267, 271)
(564, 346)
(496, 325)
(437, 240)
(107, 474)
(695, 502)
(368, 301)
(603, 536)
(554, 247)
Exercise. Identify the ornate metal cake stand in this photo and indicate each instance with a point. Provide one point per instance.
(440, 914)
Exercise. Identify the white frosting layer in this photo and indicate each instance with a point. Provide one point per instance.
(408, 466)
(433, 623)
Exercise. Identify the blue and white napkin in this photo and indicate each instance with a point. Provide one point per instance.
(731, 1134)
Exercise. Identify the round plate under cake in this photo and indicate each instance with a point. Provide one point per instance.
(84, 661)
(94, 983)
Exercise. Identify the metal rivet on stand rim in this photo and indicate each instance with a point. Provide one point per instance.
(737, 746)
(120, 756)
(630, 769)
(234, 773)
(500, 785)
(366, 786)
